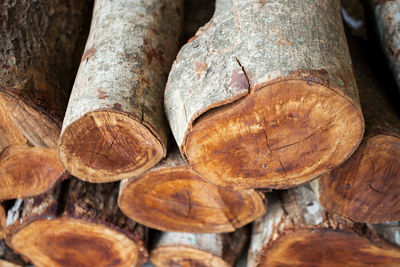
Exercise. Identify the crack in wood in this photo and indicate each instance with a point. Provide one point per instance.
(245, 74)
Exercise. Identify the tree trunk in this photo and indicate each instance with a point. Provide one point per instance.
(263, 96)
(366, 188)
(386, 15)
(297, 231)
(114, 127)
(200, 250)
(40, 46)
(80, 227)
(173, 197)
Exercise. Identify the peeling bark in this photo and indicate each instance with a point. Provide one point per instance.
(256, 90)
(297, 231)
(76, 224)
(114, 127)
(172, 197)
(366, 187)
(202, 250)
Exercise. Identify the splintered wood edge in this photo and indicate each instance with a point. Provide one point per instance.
(106, 146)
(184, 256)
(71, 242)
(178, 199)
(282, 135)
(27, 171)
(326, 247)
(366, 187)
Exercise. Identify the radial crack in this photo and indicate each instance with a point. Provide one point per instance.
(245, 74)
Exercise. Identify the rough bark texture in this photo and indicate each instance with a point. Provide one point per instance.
(115, 127)
(172, 197)
(366, 188)
(39, 51)
(200, 250)
(297, 231)
(388, 27)
(86, 229)
(284, 89)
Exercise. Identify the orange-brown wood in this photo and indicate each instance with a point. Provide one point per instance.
(76, 224)
(173, 197)
(2, 222)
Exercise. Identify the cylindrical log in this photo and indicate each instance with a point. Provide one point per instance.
(173, 197)
(263, 96)
(39, 54)
(114, 126)
(297, 231)
(366, 187)
(76, 226)
(387, 21)
(200, 250)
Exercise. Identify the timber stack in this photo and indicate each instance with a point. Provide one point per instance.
(101, 143)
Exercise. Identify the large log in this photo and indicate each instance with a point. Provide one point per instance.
(80, 227)
(297, 231)
(366, 188)
(173, 197)
(39, 54)
(114, 126)
(386, 14)
(263, 96)
(200, 250)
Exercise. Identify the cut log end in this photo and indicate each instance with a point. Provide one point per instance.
(106, 146)
(178, 199)
(327, 247)
(275, 137)
(373, 171)
(185, 257)
(28, 171)
(71, 242)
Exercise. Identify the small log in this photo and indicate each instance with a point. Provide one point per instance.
(366, 188)
(297, 231)
(114, 126)
(34, 88)
(86, 230)
(188, 249)
(254, 102)
(387, 24)
(173, 197)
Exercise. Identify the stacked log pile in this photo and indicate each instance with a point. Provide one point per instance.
(266, 111)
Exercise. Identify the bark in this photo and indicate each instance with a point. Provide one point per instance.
(260, 98)
(386, 13)
(114, 127)
(297, 231)
(40, 46)
(366, 187)
(202, 250)
(173, 197)
(76, 226)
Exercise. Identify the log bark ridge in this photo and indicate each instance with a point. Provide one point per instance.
(34, 88)
(114, 126)
(257, 90)
(172, 197)
(366, 187)
(202, 250)
(387, 21)
(86, 230)
(297, 231)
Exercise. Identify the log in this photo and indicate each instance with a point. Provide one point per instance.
(366, 188)
(173, 197)
(189, 249)
(254, 102)
(297, 231)
(114, 126)
(34, 88)
(2, 222)
(80, 227)
(387, 21)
